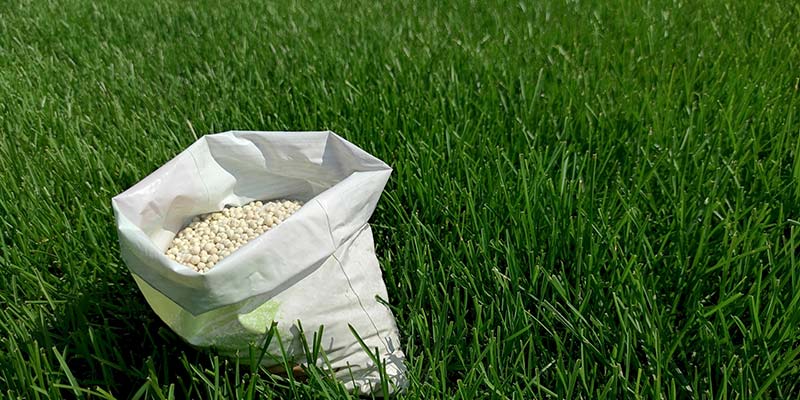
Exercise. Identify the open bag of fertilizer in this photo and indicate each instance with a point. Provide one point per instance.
(316, 266)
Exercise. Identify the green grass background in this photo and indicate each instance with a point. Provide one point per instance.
(591, 199)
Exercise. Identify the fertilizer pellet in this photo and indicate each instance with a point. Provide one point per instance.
(211, 237)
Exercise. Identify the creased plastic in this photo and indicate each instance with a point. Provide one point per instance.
(318, 266)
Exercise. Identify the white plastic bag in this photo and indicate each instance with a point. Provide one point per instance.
(318, 266)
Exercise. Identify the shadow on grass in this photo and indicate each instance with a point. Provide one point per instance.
(112, 340)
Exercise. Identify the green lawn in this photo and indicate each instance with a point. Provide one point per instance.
(591, 199)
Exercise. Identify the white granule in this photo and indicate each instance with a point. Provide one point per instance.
(214, 236)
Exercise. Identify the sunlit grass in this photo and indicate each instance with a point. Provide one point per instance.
(590, 199)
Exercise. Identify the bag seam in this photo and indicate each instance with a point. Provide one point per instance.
(347, 277)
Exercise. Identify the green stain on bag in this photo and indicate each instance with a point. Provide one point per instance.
(234, 332)
(224, 328)
(260, 319)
